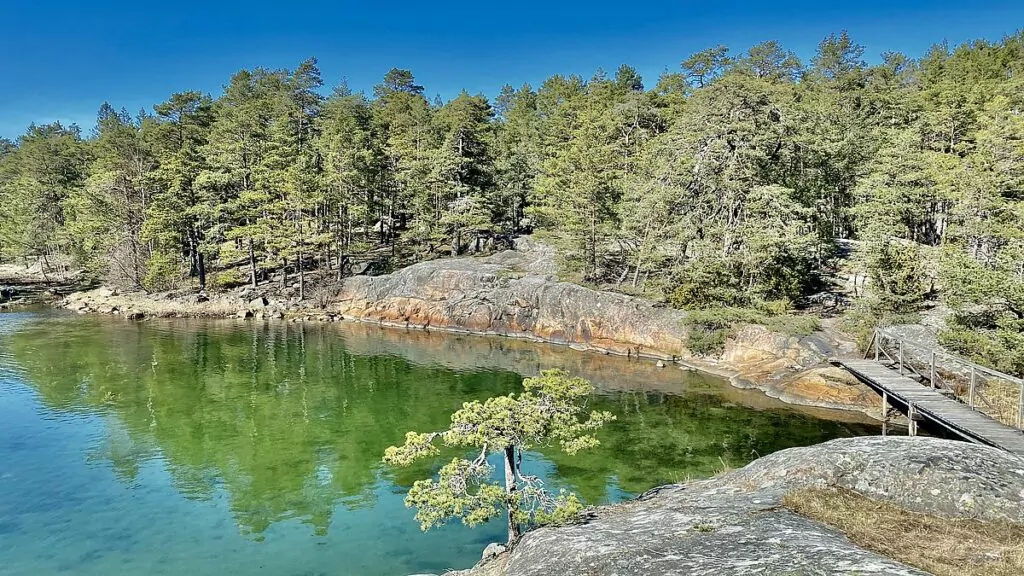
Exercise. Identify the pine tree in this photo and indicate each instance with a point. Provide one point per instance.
(181, 217)
(37, 176)
(549, 412)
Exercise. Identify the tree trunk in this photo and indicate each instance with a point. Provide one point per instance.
(252, 264)
(44, 264)
(193, 266)
(301, 256)
(391, 224)
(302, 277)
(201, 261)
(510, 492)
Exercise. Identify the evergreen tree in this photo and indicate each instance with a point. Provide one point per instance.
(180, 217)
(37, 176)
(106, 216)
(549, 412)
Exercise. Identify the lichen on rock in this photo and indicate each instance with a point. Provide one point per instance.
(735, 524)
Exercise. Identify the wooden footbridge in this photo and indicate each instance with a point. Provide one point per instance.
(943, 393)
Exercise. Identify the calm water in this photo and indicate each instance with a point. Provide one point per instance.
(216, 448)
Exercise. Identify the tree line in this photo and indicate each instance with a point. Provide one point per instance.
(730, 182)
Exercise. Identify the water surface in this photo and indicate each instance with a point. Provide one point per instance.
(225, 447)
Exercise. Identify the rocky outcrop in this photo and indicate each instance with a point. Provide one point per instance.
(503, 295)
(515, 293)
(735, 524)
(243, 304)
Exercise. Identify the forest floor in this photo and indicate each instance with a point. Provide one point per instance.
(22, 285)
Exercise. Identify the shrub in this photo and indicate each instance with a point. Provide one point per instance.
(707, 284)
(226, 279)
(897, 276)
(793, 325)
(861, 320)
(1000, 348)
(164, 272)
(709, 328)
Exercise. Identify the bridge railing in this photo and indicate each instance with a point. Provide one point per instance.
(987, 390)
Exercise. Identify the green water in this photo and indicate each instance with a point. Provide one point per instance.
(219, 448)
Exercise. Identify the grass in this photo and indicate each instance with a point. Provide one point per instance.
(942, 546)
(1003, 400)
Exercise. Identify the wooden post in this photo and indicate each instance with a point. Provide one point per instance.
(901, 357)
(911, 413)
(885, 412)
(877, 338)
(970, 391)
(932, 376)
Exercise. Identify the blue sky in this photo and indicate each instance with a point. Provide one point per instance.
(60, 59)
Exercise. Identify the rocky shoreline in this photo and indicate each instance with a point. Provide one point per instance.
(737, 523)
(517, 294)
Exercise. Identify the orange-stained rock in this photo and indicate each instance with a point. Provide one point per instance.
(515, 293)
(481, 295)
(827, 387)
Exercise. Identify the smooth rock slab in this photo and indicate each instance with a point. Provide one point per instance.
(736, 525)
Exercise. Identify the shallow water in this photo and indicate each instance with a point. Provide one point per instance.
(224, 447)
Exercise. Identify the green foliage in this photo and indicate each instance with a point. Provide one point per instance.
(38, 175)
(726, 184)
(897, 275)
(709, 328)
(792, 324)
(226, 279)
(705, 285)
(867, 314)
(1001, 348)
(550, 411)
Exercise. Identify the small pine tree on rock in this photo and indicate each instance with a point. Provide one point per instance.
(550, 411)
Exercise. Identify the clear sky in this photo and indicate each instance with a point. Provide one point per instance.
(60, 59)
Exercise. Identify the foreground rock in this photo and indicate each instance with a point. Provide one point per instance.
(736, 525)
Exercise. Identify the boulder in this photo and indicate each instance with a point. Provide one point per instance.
(492, 551)
(500, 294)
(105, 292)
(257, 303)
(244, 314)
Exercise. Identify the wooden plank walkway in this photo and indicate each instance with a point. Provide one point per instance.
(922, 402)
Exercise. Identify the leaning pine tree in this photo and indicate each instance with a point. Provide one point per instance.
(551, 410)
